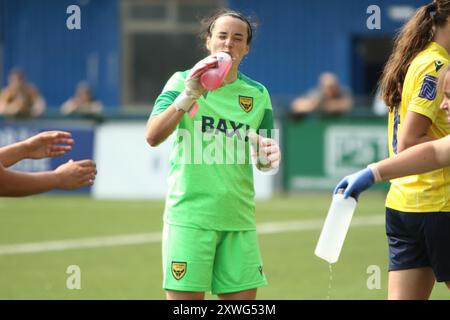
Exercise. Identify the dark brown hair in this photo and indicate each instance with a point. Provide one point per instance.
(208, 23)
(411, 40)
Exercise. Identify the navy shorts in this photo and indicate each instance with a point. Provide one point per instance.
(419, 240)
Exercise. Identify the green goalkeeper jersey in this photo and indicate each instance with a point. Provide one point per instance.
(211, 175)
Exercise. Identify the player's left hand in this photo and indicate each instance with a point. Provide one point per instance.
(76, 174)
(48, 144)
(265, 152)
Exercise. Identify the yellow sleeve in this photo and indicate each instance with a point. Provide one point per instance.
(425, 98)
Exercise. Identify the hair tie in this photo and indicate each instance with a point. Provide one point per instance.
(432, 8)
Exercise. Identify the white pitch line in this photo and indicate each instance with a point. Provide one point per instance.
(304, 225)
(155, 237)
(61, 245)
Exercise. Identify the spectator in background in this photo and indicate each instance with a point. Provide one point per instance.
(20, 99)
(379, 107)
(82, 102)
(328, 97)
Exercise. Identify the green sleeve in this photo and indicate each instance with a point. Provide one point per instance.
(267, 121)
(266, 124)
(164, 101)
(169, 93)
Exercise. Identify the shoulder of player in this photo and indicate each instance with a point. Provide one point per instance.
(423, 75)
(253, 83)
(430, 65)
(176, 81)
(181, 75)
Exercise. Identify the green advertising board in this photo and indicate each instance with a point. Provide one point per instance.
(317, 153)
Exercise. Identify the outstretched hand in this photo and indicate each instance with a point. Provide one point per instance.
(48, 144)
(356, 183)
(76, 174)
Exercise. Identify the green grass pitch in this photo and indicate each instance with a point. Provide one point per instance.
(133, 271)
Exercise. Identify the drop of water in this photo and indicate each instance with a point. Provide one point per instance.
(329, 281)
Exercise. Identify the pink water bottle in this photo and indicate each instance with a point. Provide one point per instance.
(213, 78)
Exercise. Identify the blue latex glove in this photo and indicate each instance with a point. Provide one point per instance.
(356, 183)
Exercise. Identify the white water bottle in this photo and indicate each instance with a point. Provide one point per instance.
(335, 228)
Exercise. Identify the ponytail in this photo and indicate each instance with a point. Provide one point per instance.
(412, 39)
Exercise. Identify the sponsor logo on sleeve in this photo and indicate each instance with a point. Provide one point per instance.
(428, 90)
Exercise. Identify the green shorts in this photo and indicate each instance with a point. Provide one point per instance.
(198, 260)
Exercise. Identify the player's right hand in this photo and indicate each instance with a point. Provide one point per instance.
(193, 89)
(76, 174)
(356, 183)
(48, 144)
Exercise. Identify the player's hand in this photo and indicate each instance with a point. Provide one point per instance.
(265, 152)
(76, 174)
(48, 144)
(356, 183)
(193, 89)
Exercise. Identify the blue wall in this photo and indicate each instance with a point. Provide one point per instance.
(36, 39)
(299, 39)
(296, 41)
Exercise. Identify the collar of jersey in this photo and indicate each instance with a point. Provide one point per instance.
(439, 48)
(239, 77)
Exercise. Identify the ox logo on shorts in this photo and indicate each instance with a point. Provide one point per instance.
(428, 90)
(246, 103)
(178, 269)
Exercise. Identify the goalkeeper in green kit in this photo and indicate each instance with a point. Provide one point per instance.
(209, 236)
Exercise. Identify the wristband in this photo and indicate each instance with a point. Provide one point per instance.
(183, 102)
(375, 172)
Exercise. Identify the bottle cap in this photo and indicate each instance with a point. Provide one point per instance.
(352, 195)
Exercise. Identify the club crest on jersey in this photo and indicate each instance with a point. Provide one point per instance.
(438, 64)
(428, 90)
(178, 269)
(246, 103)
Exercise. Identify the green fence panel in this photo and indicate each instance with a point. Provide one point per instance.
(317, 153)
